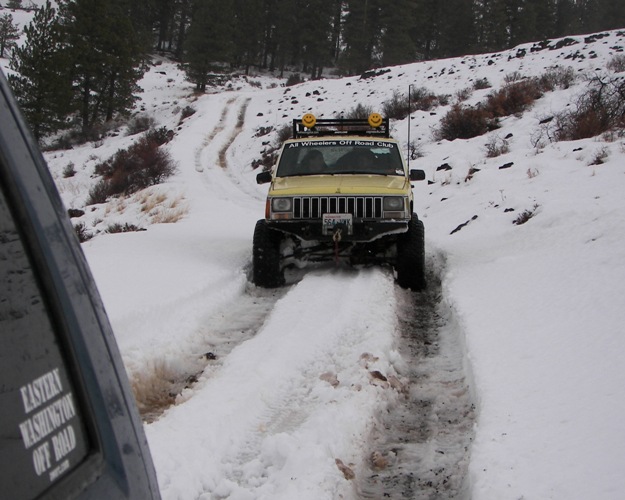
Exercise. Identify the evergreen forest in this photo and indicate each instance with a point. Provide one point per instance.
(83, 58)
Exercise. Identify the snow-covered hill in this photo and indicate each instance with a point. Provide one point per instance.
(279, 381)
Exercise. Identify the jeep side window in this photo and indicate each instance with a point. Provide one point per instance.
(42, 431)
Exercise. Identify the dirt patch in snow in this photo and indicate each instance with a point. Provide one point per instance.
(420, 443)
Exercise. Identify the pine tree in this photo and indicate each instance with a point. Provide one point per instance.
(40, 83)
(589, 14)
(164, 11)
(248, 33)
(14, 4)
(612, 14)
(281, 35)
(396, 44)
(106, 54)
(315, 21)
(182, 21)
(209, 40)
(534, 20)
(362, 34)
(337, 29)
(565, 20)
(457, 33)
(492, 19)
(428, 27)
(9, 33)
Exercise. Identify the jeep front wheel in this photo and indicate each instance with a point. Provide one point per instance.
(410, 265)
(266, 257)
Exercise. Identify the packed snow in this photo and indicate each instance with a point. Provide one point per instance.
(283, 403)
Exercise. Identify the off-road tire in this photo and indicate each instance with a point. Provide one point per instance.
(266, 257)
(410, 265)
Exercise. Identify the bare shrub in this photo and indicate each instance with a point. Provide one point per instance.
(160, 136)
(69, 170)
(122, 228)
(443, 99)
(497, 146)
(463, 122)
(557, 77)
(397, 107)
(422, 99)
(599, 109)
(140, 124)
(415, 150)
(82, 233)
(463, 94)
(98, 193)
(481, 84)
(512, 77)
(359, 112)
(531, 173)
(617, 63)
(77, 136)
(526, 215)
(142, 165)
(269, 155)
(401, 105)
(262, 131)
(600, 156)
(284, 133)
(187, 111)
(513, 98)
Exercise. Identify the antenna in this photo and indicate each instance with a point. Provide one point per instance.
(409, 116)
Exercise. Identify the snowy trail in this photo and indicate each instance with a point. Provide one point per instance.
(421, 440)
(171, 375)
(163, 336)
(342, 325)
(256, 440)
(265, 383)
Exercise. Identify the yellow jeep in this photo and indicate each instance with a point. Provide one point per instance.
(340, 191)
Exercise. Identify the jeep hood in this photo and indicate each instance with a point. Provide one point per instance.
(339, 184)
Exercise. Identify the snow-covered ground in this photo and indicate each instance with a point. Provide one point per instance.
(289, 401)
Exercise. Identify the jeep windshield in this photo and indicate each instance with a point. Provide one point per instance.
(340, 157)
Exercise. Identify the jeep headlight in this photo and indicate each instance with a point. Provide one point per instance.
(282, 204)
(393, 203)
(281, 208)
(394, 207)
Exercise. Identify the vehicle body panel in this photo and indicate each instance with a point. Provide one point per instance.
(114, 459)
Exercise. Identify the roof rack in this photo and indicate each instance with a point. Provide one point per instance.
(340, 126)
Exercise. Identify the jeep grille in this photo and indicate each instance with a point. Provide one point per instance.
(361, 207)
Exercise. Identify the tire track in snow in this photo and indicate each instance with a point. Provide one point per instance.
(221, 157)
(211, 157)
(420, 445)
(170, 380)
(262, 434)
(211, 136)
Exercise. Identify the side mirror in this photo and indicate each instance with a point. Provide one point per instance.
(417, 175)
(264, 178)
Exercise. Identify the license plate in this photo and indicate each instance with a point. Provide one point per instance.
(330, 221)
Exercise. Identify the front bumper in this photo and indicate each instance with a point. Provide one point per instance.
(363, 231)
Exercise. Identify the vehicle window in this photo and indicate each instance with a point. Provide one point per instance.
(42, 430)
(340, 157)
